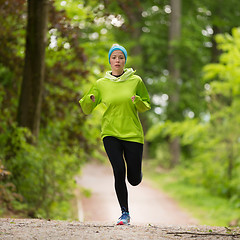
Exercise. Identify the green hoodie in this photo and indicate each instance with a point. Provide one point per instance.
(120, 119)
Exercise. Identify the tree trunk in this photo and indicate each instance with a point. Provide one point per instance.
(215, 51)
(174, 72)
(29, 108)
(174, 148)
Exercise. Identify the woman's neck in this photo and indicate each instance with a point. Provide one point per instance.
(117, 74)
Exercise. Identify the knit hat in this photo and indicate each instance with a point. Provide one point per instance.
(117, 47)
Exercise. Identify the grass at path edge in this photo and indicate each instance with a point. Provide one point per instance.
(197, 201)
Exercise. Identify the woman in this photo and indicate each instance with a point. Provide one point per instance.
(124, 95)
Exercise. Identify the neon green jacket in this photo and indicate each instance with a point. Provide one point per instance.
(120, 119)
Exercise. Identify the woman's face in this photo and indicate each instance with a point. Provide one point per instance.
(117, 61)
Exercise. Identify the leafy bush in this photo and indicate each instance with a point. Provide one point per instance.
(211, 144)
(43, 175)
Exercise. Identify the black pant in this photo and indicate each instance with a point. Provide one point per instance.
(118, 150)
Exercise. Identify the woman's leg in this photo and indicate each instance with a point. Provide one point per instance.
(114, 150)
(133, 155)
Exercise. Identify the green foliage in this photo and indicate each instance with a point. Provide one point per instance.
(9, 198)
(200, 202)
(40, 182)
(191, 54)
(224, 109)
(211, 147)
(80, 33)
(43, 175)
(187, 130)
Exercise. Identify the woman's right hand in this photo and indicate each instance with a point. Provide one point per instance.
(92, 98)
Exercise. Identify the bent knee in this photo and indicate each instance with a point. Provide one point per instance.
(135, 181)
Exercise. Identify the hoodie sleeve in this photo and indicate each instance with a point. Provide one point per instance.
(142, 100)
(86, 103)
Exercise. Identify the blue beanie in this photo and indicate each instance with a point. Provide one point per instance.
(117, 47)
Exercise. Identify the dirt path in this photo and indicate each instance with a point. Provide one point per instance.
(36, 229)
(154, 216)
(147, 205)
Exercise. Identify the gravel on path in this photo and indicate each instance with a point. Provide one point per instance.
(36, 229)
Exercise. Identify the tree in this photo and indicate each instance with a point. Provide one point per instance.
(174, 74)
(223, 16)
(29, 108)
(223, 78)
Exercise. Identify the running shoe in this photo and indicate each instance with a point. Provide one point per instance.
(124, 219)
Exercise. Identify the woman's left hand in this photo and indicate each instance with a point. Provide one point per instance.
(133, 98)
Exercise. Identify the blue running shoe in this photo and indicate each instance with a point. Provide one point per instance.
(124, 219)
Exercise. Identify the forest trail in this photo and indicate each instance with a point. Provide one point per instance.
(38, 229)
(147, 204)
(154, 216)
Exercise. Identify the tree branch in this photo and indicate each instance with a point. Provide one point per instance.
(206, 234)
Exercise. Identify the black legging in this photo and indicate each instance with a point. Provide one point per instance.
(132, 152)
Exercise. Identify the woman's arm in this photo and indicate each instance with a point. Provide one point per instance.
(141, 100)
(90, 100)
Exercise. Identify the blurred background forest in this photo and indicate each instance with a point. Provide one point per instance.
(186, 51)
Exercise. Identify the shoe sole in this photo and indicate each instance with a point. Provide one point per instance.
(121, 223)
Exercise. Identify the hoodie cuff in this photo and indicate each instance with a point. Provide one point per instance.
(137, 99)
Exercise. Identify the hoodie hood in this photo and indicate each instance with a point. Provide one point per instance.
(128, 72)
